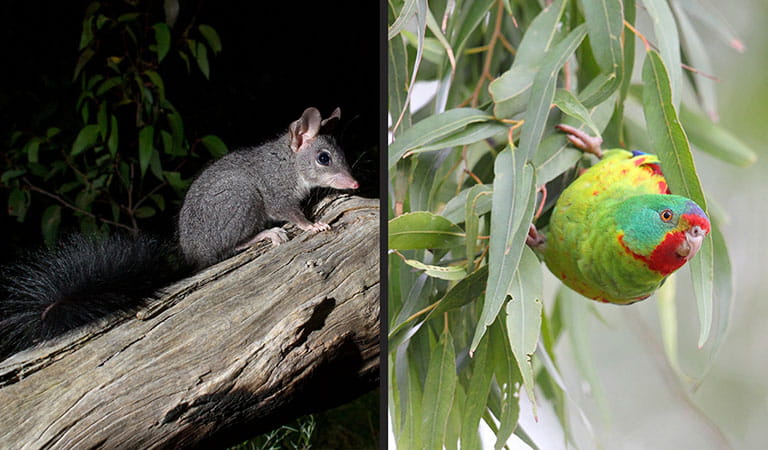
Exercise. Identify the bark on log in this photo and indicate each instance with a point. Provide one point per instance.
(233, 351)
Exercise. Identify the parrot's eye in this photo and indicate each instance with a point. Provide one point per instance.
(666, 215)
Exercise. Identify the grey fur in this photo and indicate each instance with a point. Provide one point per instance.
(233, 200)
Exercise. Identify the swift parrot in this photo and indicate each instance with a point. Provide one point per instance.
(616, 233)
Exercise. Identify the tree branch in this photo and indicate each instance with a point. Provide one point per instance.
(238, 349)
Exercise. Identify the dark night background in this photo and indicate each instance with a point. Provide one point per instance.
(278, 58)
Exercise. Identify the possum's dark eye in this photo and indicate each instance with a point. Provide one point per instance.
(323, 158)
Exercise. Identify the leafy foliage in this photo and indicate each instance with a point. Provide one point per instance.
(465, 171)
(121, 166)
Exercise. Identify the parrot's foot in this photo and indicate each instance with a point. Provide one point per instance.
(534, 238)
(582, 140)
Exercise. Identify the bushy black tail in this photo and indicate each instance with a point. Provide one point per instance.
(81, 280)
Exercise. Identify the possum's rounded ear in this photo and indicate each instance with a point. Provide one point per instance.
(305, 129)
(327, 125)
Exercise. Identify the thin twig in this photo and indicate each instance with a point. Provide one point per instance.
(61, 200)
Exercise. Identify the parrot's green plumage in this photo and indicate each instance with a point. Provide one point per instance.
(616, 232)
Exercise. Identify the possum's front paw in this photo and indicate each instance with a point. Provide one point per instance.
(315, 227)
(275, 235)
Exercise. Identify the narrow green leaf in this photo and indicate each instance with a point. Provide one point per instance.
(723, 287)
(85, 56)
(423, 230)
(665, 301)
(718, 26)
(157, 80)
(146, 147)
(511, 92)
(211, 36)
(665, 29)
(86, 37)
(455, 209)
(472, 133)
(9, 175)
(144, 212)
(470, 20)
(85, 138)
(108, 84)
(50, 222)
(201, 56)
(163, 40)
(712, 138)
(671, 145)
(18, 204)
(465, 291)
(409, 9)
(113, 141)
(471, 223)
(512, 212)
(543, 91)
(32, 149)
(128, 17)
(397, 81)
(571, 106)
(216, 147)
(451, 273)
(102, 120)
(432, 129)
(439, 388)
(508, 379)
(540, 36)
(524, 316)
(605, 22)
(696, 55)
(176, 126)
(477, 396)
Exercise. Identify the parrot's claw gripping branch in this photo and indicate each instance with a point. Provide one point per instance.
(534, 238)
(582, 140)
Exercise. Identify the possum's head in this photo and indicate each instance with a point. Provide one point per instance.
(319, 160)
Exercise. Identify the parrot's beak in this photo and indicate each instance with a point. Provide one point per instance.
(694, 236)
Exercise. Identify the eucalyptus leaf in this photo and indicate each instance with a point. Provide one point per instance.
(671, 145)
(423, 230)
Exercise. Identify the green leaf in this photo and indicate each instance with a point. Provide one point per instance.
(477, 396)
(465, 291)
(85, 56)
(144, 212)
(18, 204)
(175, 180)
(512, 212)
(455, 209)
(432, 129)
(576, 315)
(215, 146)
(540, 36)
(409, 9)
(85, 138)
(696, 55)
(108, 84)
(473, 133)
(671, 145)
(157, 80)
(176, 126)
(423, 230)
(87, 35)
(211, 36)
(470, 20)
(9, 175)
(50, 223)
(571, 106)
(712, 138)
(665, 29)
(451, 273)
(508, 379)
(163, 39)
(146, 147)
(113, 140)
(665, 301)
(524, 316)
(723, 287)
(511, 92)
(397, 80)
(439, 388)
(605, 22)
(543, 91)
(128, 17)
(200, 52)
(32, 149)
